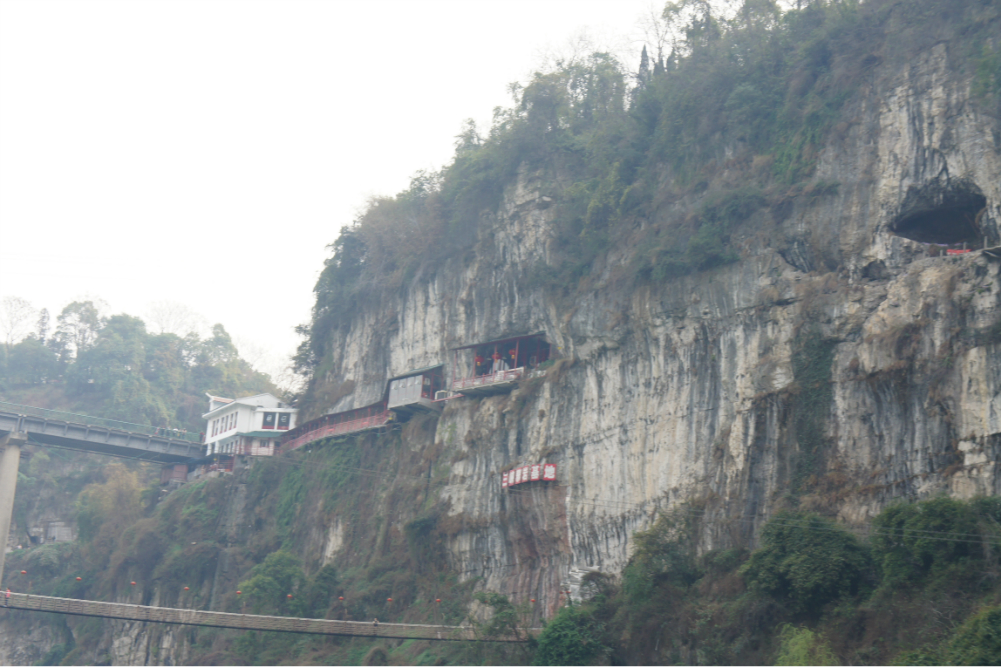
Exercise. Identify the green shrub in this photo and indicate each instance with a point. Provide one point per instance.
(573, 637)
(806, 560)
(315, 597)
(191, 565)
(47, 559)
(271, 582)
(666, 553)
(801, 646)
(506, 620)
(975, 642)
(911, 540)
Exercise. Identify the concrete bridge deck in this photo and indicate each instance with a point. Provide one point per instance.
(218, 619)
(23, 424)
(94, 434)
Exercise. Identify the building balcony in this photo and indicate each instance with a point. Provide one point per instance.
(493, 383)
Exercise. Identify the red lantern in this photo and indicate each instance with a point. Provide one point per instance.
(238, 592)
(340, 598)
(133, 583)
(185, 588)
(533, 600)
(389, 599)
(24, 572)
(438, 600)
(289, 596)
(79, 578)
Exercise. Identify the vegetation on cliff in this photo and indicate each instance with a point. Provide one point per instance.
(721, 123)
(664, 165)
(922, 588)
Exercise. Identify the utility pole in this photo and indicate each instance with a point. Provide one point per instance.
(10, 458)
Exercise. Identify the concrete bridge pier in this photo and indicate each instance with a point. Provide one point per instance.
(10, 458)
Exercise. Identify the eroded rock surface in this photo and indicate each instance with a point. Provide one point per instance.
(837, 366)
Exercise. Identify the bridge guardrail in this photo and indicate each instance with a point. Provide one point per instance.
(87, 420)
(248, 621)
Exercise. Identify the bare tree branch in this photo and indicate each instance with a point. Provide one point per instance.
(16, 319)
(176, 318)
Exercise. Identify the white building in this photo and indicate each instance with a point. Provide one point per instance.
(250, 426)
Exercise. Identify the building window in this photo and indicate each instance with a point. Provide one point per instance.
(268, 420)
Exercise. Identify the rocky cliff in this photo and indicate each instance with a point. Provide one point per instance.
(843, 363)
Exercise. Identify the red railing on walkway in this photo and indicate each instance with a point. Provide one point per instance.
(487, 380)
(342, 428)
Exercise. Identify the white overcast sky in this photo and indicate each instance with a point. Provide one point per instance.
(205, 152)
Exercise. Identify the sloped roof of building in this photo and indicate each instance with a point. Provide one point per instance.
(502, 340)
(264, 400)
(415, 372)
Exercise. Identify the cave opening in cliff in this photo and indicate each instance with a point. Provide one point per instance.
(496, 365)
(943, 216)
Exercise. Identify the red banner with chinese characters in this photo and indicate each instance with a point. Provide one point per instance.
(538, 472)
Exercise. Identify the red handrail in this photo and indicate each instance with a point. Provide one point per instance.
(326, 431)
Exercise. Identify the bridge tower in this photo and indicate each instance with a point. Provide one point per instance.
(10, 457)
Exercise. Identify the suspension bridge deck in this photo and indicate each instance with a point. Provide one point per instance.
(217, 619)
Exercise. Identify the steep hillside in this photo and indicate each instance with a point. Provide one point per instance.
(740, 263)
(750, 330)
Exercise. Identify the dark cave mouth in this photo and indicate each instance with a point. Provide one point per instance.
(952, 222)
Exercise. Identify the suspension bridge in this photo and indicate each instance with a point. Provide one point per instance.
(218, 619)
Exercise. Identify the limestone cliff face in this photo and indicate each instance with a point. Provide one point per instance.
(839, 365)
(700, 389)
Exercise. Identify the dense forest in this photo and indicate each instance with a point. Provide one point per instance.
(725, 114)
(114, 367)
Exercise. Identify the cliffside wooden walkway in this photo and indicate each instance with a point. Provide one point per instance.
(216, 619)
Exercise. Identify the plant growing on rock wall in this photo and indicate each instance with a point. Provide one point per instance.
(808, 561)
(974, 642)
(811, 404)
(105, 510)
(270, 583)
(802, 646)
(506, 620)
(911, 540)
(572, 637)
(665, 553)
